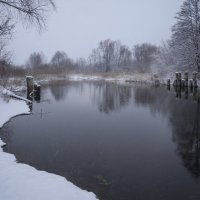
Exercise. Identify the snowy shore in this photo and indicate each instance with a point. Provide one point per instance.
(122, 77)
(23, 182)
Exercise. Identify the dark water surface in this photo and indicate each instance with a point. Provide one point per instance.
(122, 142)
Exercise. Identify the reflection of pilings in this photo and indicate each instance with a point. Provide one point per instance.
(186, 76)
(193, 92)
(186, 93)
(178, 92)
(168, 84)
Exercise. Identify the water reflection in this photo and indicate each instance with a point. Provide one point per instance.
(184, 118)
(111, 97)
(186, 133)
(121, 141)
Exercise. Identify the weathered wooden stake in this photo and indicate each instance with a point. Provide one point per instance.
(179, 80)
(176, 80)
(168, 82)
(186, 76)
(30, 85)
(37, 89)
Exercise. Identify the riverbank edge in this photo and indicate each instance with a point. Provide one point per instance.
(19, 181)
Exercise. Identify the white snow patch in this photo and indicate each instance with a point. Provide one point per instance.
(11, 108)
(12, 94)
(22, 182)
(80, 77)
(134, 77)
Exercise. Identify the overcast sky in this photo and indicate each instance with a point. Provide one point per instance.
(78, 25)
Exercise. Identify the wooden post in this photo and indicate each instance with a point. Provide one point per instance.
(37, 89)
(30, 85)
(176, 80)
(179, 79)
(168, 82)
(177, 75)
(186, 78)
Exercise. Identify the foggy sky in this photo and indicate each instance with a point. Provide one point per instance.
(78, 25)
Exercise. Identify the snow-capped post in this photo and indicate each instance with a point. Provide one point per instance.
(179, 79)
(176, 80)
(168, 84)
(30, 85)
(186, 78)
(194, 77)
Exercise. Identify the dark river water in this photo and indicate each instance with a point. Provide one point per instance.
(120, 141)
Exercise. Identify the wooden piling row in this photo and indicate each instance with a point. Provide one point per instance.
(184, 82)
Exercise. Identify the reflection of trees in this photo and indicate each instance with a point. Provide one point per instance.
(155, 98)
(58, 92)
(110, 97)
(185, 123)
(183, 113)
(184, 117)
(59, 89)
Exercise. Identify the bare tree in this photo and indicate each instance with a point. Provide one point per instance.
(107, 50)
(144, 55)
(186, 34)
(107, 55)
(31, 11)
(36, 61)
(125, 57)
(60, 61)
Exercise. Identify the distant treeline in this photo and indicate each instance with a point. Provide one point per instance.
(109, 56)
(181, 51)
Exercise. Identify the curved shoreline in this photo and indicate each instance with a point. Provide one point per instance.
(20, 181)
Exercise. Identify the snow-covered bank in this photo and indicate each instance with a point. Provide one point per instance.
(13, 95)
(23, 182)
(10, 108)
(122, 77)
